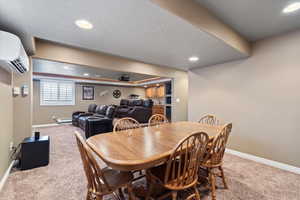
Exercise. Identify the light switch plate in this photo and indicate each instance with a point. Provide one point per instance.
(16, 91)
(25, 90)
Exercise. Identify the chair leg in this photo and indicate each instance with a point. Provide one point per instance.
(174, 195)
(130, 192)
(121, 193)
(212, 182)
(88, 196)
(149, 191)
(197, 193)
(223, 177)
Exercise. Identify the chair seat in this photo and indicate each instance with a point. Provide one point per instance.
(116, 179)
(209, 164)
(158, 173)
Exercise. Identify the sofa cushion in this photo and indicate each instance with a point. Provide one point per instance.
(139, 102)
(82, 121)
(131, 103)
(110, 112)
(124, 102)
(92, 108)
(148, 103)
(98, 116)
(101, 109)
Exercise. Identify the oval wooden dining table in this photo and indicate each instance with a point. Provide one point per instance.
(142, 148)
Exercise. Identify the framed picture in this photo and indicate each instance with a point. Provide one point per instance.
(88, 93)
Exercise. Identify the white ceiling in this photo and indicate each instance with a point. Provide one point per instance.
(135, 29)
(51, 67)
(255, 19)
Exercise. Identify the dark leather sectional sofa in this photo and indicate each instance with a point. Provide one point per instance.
(139, 109)
(76, 115)
(99, 119)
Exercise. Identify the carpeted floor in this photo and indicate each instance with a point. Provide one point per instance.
(64, 179)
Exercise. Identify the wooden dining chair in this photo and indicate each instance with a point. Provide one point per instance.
(101, 181)
(180, 172)
(157, 119)
(125, 124)
(214, 158)
(209, 120)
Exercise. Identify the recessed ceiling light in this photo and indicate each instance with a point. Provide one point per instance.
(145, 86)
(66, 67)
(84, 24)
(193, 59)
(86, 74)
(292, 7)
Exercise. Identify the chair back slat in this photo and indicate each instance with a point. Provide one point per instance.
(125, 124)
(157, 119)
(218, 146)
(182, 165)
(96, 181)
(209, 120)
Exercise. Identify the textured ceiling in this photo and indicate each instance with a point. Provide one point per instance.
(135, 29)
(255, 19)
(51, 67)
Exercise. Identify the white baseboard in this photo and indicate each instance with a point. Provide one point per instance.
(6, 174)
(45, 125)
(272, 163)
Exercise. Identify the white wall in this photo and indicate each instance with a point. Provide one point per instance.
(260, 95)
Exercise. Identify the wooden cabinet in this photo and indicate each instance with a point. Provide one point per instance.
(148, 92)
(151, 92)
(158, 109)
(160, 91)
(155, 92)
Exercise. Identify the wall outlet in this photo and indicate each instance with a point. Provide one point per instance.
(11, 146)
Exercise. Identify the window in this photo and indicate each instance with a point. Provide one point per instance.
(57, 92)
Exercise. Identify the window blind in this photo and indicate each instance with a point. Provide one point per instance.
(57, 92)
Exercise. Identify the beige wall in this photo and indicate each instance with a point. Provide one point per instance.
(22, 107)
(43, 114)
(6, 119)
(260, 95)
(52, 51)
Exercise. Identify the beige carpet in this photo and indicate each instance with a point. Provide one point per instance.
(63, 178)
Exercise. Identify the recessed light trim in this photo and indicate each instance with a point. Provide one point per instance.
(86, 74)
(291, 7)
(193, 59)
(84, 24)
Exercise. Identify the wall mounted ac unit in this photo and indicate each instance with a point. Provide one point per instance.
(12, 53)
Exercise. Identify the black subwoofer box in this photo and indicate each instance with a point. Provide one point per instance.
(34, 152)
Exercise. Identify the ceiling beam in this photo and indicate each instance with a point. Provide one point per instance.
(202, 18)
(105, 81)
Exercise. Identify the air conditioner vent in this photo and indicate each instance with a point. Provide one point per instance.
(12, 54)
(18, 65)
